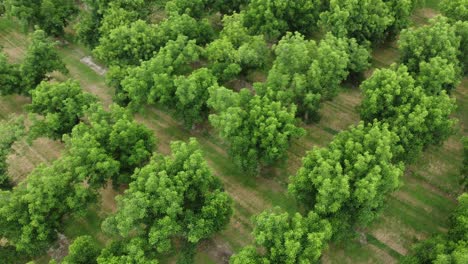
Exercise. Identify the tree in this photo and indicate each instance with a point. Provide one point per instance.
(455, 9)
(286, 239)
(41, 58)
(438, 39)
(192, 96)
(437, 75)
(127, 252)
(305, 73)
(61, 105)
(348, 181)
(419, 119)
(461, 28)
(153, 80)
(10, 77)
(83, 250)
(11, 130)
(257, 129)
(171, 197)
(51, 15)
(274, 17)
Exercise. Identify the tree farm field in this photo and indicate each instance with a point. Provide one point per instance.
(421, 206)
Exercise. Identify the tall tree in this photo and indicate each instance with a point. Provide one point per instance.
(419, 119)
(348, 181)
(257, 129)
(61, 105)
(286, 239)
(41, 58)
(11, 131)
(172, 197)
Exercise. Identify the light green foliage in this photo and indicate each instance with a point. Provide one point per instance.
(461, 29)
(41, 58)
(437, 75)
(236, 51)
(173, 196)
(153, 80)
(401, 11)
(438, 39)
(10, 131)
(419, 119)
(61, 105)
(201, 8)
(50, 15)
(349, 181)
(10, 78)
(83, 250)
(115, 17)
(451, 248)
(455, 9)
(127, 44)
(192, 96)
(274, 17)
(286, 239)
(127, 252)
(112, 134)
(305, 73)
(257, 129)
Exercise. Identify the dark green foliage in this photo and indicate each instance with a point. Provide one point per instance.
(464, 170)
(438, 39)
(461, 28)
(61, 105)
(174, 196)
(286, 239)
(153, 80)
(367, 20)
(275, 17)
(451, 248)
(419, 119)
(50, 15)
(455, 9)
(349, 181)
(10, 131)
(305, 73)
(83, 250)
(41, 58)
(133, 251)
(192, 96)
(257, 129)
(10, 76)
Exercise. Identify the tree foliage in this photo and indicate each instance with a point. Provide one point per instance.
(83, 250)
(305, 73)
(286, 239)
(257, 129)
(419, 119)
(10, 76)
(275, 17)
(348, 181)
(61, 105)
(11, 131)
(41, 58)
(455, 9)
(50, 15)
(173, 196)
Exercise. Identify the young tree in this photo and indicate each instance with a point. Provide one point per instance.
(438, 39)
(419, 119)
(41, 58)
(83, 250)
(171, 197)
(11, 131)
(257, 129)
(286, 239)
(274, 17)
(61, 105)
(192, 96)
(153, 80)
(348, 181)
(10, 76)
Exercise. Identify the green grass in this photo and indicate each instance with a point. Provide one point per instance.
(420, 208)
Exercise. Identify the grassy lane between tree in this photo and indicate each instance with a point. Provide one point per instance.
(418, 209)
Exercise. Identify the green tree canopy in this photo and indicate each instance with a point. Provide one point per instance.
(172, 197)
(133, 251)
(83, 250)
(11, 131)
(419, 119)
(10, 76)
(257, 129)
(455, 9)
(61, 105)
(349, 180)
(41, 58)
(286, 239)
